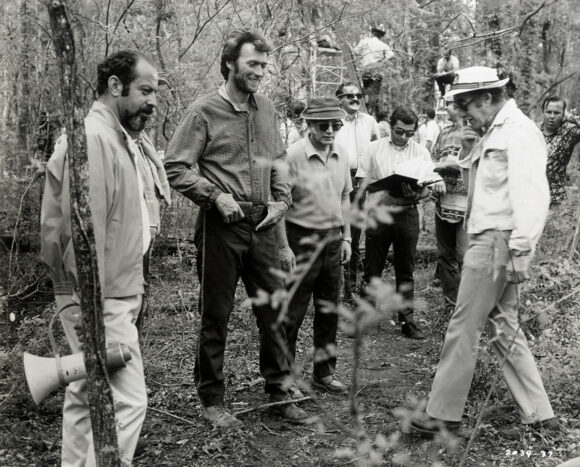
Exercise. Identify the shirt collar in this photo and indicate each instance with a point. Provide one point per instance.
(310, 151)
(399, 148)
(504, 113)
(104, 113)
(224, 94)
(351, 117)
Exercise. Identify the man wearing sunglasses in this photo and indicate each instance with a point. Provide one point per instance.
(381, 161)
(358, 131)
(507, 205)
(321, 186)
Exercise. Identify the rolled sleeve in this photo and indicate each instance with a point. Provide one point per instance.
(280, 185)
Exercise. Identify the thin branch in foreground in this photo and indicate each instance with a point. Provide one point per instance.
(271, 404)
(168, 414)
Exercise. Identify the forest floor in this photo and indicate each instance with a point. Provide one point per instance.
(395, 375)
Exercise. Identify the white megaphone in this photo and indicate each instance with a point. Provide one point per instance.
(44, 375)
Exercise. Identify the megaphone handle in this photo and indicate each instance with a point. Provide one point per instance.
(55, 349)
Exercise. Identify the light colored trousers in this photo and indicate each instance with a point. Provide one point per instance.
(127, 384)
(486, 297)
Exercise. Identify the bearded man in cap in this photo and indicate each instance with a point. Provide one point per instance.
(507, 205)
(321, 185)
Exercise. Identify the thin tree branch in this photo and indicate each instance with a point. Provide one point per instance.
(200, 29)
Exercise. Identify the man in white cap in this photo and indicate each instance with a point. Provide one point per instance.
(507, 205)
(321, 184)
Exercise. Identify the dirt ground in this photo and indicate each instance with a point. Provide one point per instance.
(395, 373)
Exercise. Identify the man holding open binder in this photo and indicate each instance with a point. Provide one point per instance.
(381, 160)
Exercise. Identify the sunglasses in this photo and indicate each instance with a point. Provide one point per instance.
(358, 95)
(323, 126)
(401, 132)
(464, 104)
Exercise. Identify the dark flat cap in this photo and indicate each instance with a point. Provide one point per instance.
(323, 108)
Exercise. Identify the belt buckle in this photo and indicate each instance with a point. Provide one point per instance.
(257, 214)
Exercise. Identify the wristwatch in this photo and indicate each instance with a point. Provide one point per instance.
(347, 239)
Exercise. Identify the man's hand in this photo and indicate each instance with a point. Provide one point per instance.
(518, 267)
(439, 188)
(408, 192)
(276, 210)
(229, 208)
(287, 259)
(468, 138)
(78, 327)
(345, 252)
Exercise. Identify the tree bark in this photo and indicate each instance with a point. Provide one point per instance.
(99, 391)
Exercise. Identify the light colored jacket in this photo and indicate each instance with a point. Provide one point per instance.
(508, 188)
(114, 203)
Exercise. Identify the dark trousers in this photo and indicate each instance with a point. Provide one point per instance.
(227, 252)
(451, 244)
(403, 234)
(442, 80)
(351, 269)
(322, 282)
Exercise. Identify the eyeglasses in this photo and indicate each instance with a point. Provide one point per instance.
(351, 96)
(401, 132)
(464, 104)
(323, 126)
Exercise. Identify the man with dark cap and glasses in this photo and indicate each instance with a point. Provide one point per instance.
(507, 204)
(321, 184)
(358, 131)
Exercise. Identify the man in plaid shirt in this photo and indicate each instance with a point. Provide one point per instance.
(243, 188)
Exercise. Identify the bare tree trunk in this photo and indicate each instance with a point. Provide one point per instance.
(25, 61)
(99, 391)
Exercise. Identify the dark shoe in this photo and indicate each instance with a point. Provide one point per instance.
(140, 448)
(219, 417)
(289, 411)
(429, 426)
(410, 330)
(550, 427)
(328, 384)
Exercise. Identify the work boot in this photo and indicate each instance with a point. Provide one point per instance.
(550, 427)
(219, 417)
(328, 384)
(410, 330)
(289, 411)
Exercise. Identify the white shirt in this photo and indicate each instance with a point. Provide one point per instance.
(429, 131)
(383, 157)
(136, 152)
(355, 135)
(447, 66)
(372, 51)
(508, 188)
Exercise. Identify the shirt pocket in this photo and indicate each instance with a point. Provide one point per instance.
(493, 168)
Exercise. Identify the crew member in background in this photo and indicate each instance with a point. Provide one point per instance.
(562, 134)
(321, 185)
(447, 67)
(358, 131)
(428, 130)
(381, 160)
(450, 206)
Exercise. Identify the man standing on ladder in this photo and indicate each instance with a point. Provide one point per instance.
(358, 131)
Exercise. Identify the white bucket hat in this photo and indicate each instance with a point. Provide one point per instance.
(475, 78)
